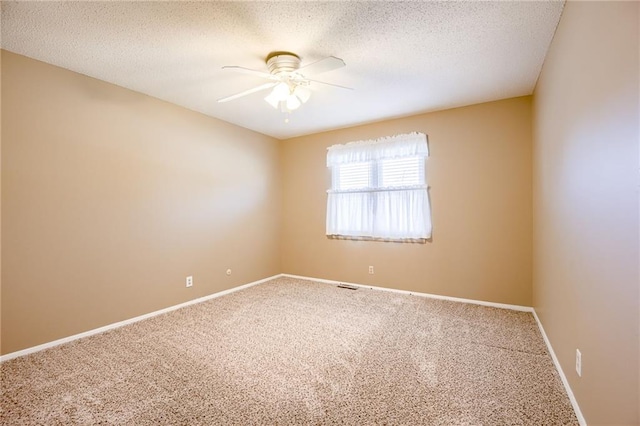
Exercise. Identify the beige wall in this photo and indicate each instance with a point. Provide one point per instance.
(586, 288)
(479, 174)
(111, 198)
(0, 207)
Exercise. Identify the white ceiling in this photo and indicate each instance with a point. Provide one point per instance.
(402, 58)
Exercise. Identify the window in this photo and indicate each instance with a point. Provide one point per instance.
(378, 189)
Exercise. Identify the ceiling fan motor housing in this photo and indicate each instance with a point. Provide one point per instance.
(282, 62)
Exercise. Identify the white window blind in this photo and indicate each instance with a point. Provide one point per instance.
(353, 176)
(401, 172)
(378, 189)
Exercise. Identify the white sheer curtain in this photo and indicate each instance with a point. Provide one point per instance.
(379, 189)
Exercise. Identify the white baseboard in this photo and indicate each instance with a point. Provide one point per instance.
(128, 321)
(565, 382)
(432, 296)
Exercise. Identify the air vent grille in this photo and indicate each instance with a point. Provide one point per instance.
(347, 286)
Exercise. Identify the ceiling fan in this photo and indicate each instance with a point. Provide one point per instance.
(290, 82)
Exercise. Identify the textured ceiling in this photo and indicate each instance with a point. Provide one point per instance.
(402, 58)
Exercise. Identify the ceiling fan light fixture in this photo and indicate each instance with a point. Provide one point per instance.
(302, 93)
(281, 91)
(279, 94)
(272, 100)
(293, 102)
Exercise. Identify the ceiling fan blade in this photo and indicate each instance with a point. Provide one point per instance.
(248, 92)
(250, 71)
(330, 84)
(323, 65)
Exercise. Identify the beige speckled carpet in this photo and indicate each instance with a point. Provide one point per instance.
(297, 352)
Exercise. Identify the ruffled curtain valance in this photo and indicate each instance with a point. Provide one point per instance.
(405, 145)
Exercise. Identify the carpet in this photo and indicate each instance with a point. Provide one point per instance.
(291, 351)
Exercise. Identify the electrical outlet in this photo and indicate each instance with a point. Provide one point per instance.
(370, 270)
(579, 362)
(189, 281)
(228, 271)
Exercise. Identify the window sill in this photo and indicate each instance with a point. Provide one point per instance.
(384, 240)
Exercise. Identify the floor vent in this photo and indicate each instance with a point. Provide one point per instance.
(347, 286)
